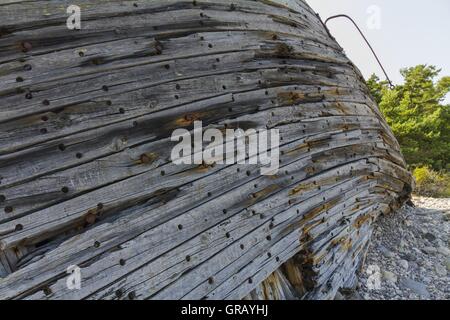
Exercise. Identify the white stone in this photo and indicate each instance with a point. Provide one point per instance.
(444, 251)
(441, 270)
(430, 250)
(403, 243)
(404, 264)
(389, 276)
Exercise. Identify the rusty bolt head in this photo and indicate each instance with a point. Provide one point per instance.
(90, 218)
(158, 47)
(190, 117)
(26, 46)
(145, 158)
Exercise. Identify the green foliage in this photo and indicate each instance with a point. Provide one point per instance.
(431, 183)
(416, 112)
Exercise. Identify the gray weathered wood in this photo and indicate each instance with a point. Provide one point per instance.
(85, 171)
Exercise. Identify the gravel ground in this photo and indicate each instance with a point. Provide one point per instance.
(409, 257)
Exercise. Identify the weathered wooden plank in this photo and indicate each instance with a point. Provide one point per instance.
(82, 147)
(127, 226)
(132, 190)
(40, 192)
(234, 228)
(83, 115)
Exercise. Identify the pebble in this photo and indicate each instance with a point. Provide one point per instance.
(389, 276)
(339, 296)
(426, 280)
(444, 251)
(411, 249)
(417, 287)
(403, 243)
(386, 252)
(404, 264)
(441, 270)
(430, 250)
(429, 236)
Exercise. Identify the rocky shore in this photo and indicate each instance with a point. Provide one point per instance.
(409, 257)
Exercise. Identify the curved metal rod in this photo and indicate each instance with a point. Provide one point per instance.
(365, 39)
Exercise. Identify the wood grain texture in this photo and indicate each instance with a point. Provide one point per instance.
(86, 177)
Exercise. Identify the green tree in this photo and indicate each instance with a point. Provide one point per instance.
(416, 112)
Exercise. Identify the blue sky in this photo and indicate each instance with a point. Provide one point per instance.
(410, 32)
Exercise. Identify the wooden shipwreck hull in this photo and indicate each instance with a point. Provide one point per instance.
(86, 177)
